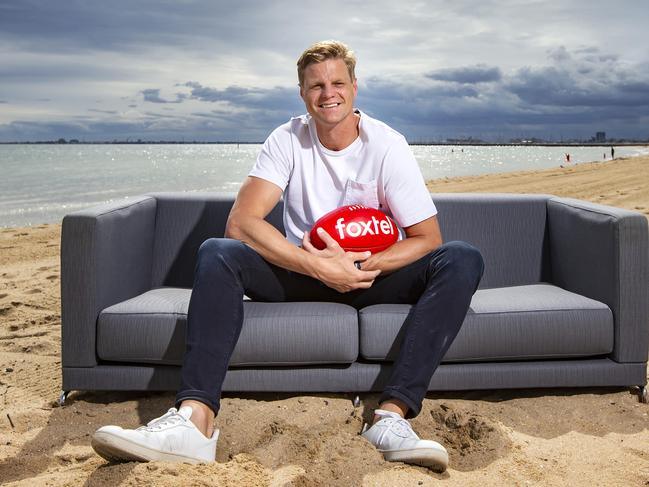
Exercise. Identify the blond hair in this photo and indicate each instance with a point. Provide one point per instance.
(323, 50)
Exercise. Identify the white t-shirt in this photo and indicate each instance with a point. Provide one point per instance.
(377, 170)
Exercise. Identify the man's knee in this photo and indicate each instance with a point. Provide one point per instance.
(464, 259)
(219, 250)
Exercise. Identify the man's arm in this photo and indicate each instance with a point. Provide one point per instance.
(334, 267)
(421, 238)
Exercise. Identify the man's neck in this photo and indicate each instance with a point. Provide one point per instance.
(338, 137)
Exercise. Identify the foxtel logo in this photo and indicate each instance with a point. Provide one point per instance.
(370, 227)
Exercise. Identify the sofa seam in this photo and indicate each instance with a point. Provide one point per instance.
(559, 201)
(505, 358)
(174, 313)
(113, 210)
(515, 312)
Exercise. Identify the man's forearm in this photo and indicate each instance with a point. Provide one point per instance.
(269, 242)
(400, 254)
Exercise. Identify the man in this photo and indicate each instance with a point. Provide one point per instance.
(335, 155)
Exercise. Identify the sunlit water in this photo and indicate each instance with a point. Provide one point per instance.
(42, 183)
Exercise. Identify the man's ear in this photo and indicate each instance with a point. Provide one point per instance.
(301, 91)
(355, 85)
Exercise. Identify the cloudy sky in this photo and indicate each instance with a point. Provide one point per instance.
(221, 70)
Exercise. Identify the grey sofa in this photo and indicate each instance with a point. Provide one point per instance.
(564, 301)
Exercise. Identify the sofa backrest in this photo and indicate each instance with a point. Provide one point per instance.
(509, 230)
(183, 222)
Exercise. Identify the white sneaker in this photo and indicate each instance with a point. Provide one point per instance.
(393, 436)
(169, 438)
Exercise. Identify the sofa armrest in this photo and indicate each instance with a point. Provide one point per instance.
(106, 257)
(603, 253)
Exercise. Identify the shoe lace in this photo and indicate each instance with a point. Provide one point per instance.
(170, 418)
(399, 427)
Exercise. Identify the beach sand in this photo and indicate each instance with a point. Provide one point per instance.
(549, 437)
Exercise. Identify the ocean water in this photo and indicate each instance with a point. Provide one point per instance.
(42, 183)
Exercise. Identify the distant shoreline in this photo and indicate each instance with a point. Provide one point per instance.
(454, 143)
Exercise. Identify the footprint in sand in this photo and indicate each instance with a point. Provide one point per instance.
(3, 295)
(34, 291)
(52, 277)
(473, 441)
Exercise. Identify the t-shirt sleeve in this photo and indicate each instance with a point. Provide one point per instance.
(405, 190)
(275, 161)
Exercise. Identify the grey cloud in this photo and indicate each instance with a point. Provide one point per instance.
(126, 26)
(572, 87)
(35, 72)
(109, 112)
(479, 73)
(3, 101)
(278, 98)
(155, 126)
(153, 95)
(559, 98)
(415, 103)
(585, 78)
(155, 115)
(560, 54)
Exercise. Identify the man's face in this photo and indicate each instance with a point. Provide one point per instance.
(328, 92)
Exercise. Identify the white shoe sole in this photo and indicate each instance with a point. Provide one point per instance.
(426, 457)
(116, 449)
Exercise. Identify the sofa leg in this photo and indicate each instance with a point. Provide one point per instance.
(644, 394)
(357, 401)
(63, 397)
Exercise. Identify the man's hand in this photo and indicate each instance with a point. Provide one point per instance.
(336, 267)
(421, 238)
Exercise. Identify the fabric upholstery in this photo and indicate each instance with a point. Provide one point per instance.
(508, 229)
(105, 259)
(589, 326)
(602, 252)
(183, 222)
(360, 377)
(538, 321)
(150, 328)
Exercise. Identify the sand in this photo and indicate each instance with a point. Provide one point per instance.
(620, 182)
(550, 437)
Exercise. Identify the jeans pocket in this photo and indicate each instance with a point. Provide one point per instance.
(365, 194)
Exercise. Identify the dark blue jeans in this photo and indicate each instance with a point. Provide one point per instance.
(439, 285)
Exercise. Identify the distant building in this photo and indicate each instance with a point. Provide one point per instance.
(600, 137)
(464, 141)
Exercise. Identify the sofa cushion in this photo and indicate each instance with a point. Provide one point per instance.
(538, 321)
(151, 328)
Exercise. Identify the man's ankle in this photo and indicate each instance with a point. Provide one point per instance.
(394, 406)
(202, 416)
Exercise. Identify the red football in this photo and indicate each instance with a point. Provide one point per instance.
(357, 228)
